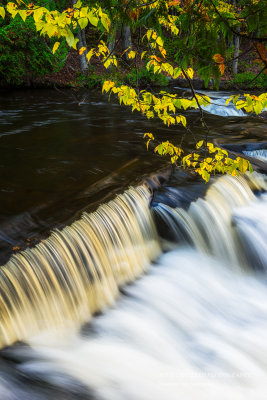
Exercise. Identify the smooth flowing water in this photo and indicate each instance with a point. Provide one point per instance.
(194, 327)
(62, 152)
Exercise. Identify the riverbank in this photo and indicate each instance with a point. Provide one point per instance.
(92, 79)
(70, 76)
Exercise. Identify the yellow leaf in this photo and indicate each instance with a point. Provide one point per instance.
(150, 135)
(107, 63)
(162, 51)
(131, 54)
(82, 50)
(199, 144)
(176, 72)
(23, 14)
(83, 22)
(12, 9)
(211, 148)
(78, 4)
(159, 41)
(70, 38)
(183, 120)
(55, 47)
(208, 160)
(107, 85)
(190, 73)
(74, 45)
(92, 19)
(149, 33)
(90, 54)
(83, 12)
(2, 12)
(38, 13)
(105, 22)
(142, 55)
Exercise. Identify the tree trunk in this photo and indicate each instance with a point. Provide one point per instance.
(236, 47)
(80, 44)
(236, 53)
(126, 40)
(112, 41)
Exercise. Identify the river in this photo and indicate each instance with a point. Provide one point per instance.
(76, 322)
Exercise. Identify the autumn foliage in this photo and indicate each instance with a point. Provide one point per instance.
(196, 24)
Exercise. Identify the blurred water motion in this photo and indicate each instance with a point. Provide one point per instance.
(193, 328)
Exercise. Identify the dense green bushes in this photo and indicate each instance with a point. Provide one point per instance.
(91, 79)
(24, 55)
(145, 78)
(247, 80)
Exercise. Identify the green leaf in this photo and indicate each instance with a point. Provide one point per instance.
(105, 22)
(92, 19)
(177, 103)
(70, 38)
(176, 72)
(205, 175)
(83, 22)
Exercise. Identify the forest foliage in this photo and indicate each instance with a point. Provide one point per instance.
(204, 32)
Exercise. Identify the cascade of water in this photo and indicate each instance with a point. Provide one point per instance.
(251, 226)
(218, 107)
(192, 329)
(77, 271)
(260, 154)
(208, 223)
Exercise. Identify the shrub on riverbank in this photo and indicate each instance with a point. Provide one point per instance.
(24, 55)
(145, 78)
(248, 80)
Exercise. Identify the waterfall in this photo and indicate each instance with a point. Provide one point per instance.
(210, 224)
(260, 154)
(77, 271)
(218, 107)
(193, 328)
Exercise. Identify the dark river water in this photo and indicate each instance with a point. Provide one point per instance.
(64, 151)
(194, 327)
